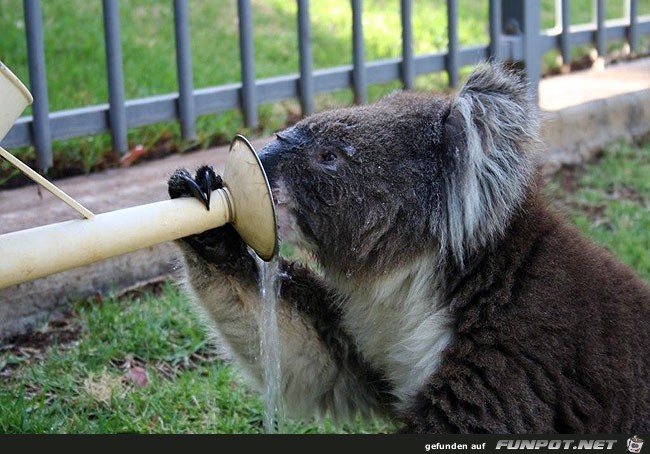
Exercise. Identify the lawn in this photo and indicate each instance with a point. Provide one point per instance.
(610, 202)
(141, 362)
(76, 73)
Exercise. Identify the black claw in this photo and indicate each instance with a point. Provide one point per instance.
(208, 181)
(181, 184)
(196, 191)
(203, 177)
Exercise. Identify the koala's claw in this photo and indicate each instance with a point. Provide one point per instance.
(181, 184)
(196, 192)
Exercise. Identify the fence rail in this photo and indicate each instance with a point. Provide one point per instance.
(515, 34)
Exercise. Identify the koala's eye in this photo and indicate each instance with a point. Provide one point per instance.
(328, 157)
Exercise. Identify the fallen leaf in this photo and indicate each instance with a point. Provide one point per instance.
(133, 155)
(137, 375)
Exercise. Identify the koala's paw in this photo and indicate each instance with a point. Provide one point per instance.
(181, 184)
(221, 245)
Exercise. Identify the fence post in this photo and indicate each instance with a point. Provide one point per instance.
(38, 83)
(247, 54)
(115, 69)
(306, 81)
(184, 69)
(453, 66)
(358, 55)
(522, 17)
(408, 63)
(565, 43)
(632, 32)
(495, 30)
(599, 13)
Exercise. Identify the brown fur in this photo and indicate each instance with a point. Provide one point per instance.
(552, 336)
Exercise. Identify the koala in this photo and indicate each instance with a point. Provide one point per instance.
(446, 296)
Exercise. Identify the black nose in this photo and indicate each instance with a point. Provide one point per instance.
(270, 157)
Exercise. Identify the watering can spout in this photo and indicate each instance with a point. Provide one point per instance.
(253, 208)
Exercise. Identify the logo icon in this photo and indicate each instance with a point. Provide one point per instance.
(634, 444)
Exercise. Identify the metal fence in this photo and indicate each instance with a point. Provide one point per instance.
(515, 34)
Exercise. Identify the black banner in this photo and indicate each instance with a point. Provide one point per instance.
(335, 444)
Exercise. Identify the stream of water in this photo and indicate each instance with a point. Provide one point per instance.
(270, 345)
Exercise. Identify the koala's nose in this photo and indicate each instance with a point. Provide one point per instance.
(270, 157)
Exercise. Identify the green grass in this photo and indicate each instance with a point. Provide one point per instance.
(610, 202)
(79, 384)
(84, 386)
(76, 73)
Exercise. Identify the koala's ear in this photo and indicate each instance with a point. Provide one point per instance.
(494, 110)
(489, 134)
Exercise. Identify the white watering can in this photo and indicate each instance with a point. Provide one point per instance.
(245, 202)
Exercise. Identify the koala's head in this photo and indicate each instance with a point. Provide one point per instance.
(368, 188)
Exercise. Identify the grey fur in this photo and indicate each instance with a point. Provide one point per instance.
(448, 298)
(492, 129)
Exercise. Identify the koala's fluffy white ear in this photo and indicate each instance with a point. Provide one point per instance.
(495, 107)
(490, 132)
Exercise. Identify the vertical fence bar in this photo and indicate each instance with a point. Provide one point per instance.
(38, 83)
(247, 51)
(633, 31)
(306, 82)
(495, 30)
(452, 51)
(600, 27)
(565, 39)
(524, 17)
(358, 55)
(408, 63)
(557, 10)
(115, 69)
(186, 109)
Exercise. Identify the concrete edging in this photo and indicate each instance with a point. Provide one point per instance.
(575, 134)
